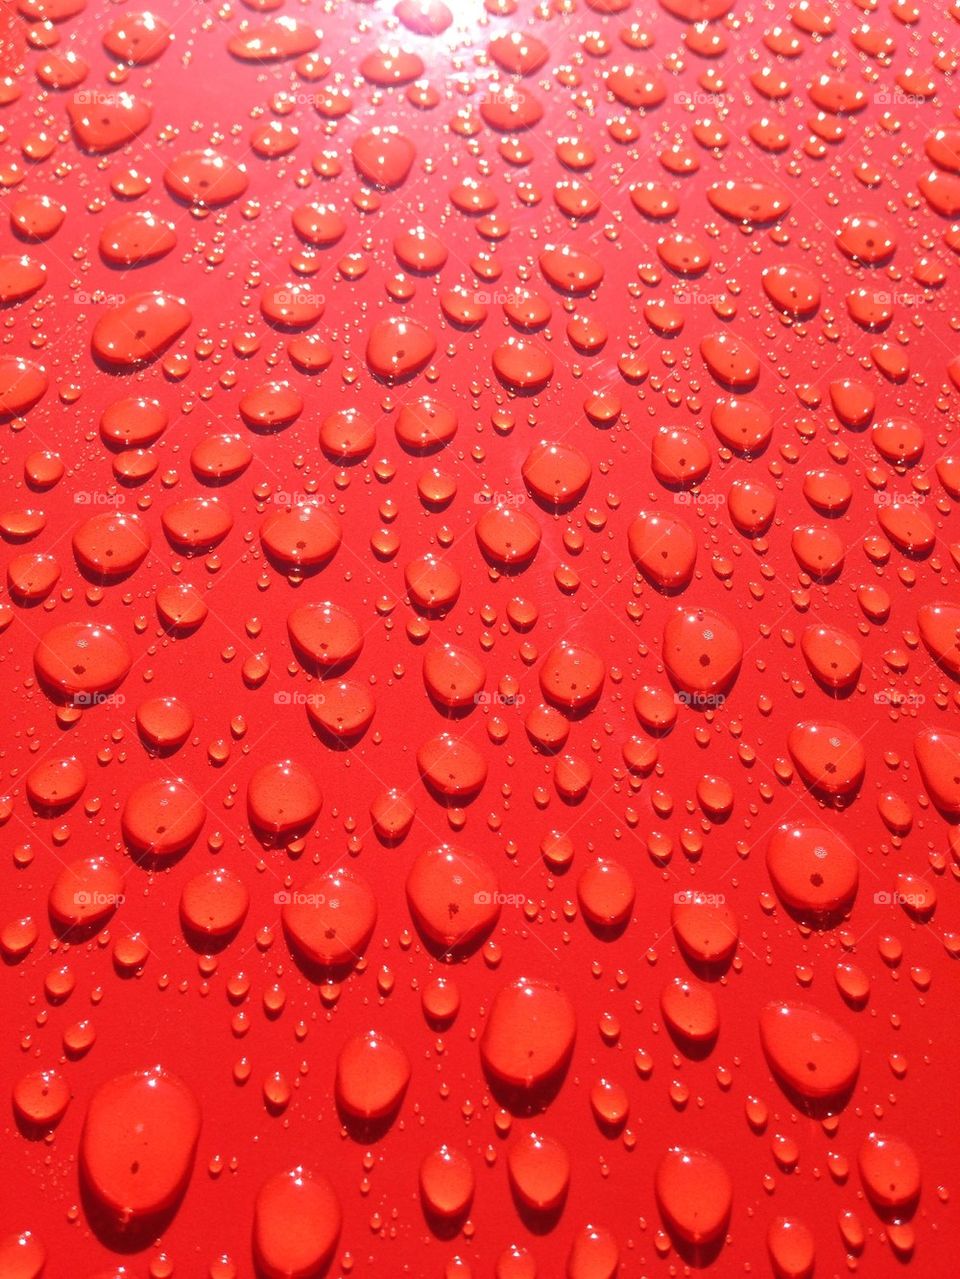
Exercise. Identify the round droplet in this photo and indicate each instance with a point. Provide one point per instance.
(283, 799)
(829, 757)
(373, 1072)
(140, 329)
(324, 636)
(702, 653)
(138, 1143)
(808, 1051)
(556, 474)
(453, 897)
(705, 926)
(452, 767)
(539, 1169)
(529, 1032)
(695, 1195)
(162, 817)
(398, 348)
(301, 537)
(446, 1182)
(664, 548)
(606, 893)
(330, 920)
(791, 1247)
(296, 1224)
(81, 661)
(572, 676)
(690, 1010)
(813, 869)
(508, 537)
(890, 1172)
(214, 903)
(205, 178)
(938, 759)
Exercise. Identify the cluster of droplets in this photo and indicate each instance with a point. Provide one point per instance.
(568, 553)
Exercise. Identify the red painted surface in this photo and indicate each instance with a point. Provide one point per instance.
(254, 1034)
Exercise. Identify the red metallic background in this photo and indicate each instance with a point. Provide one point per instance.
(175, 1011)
